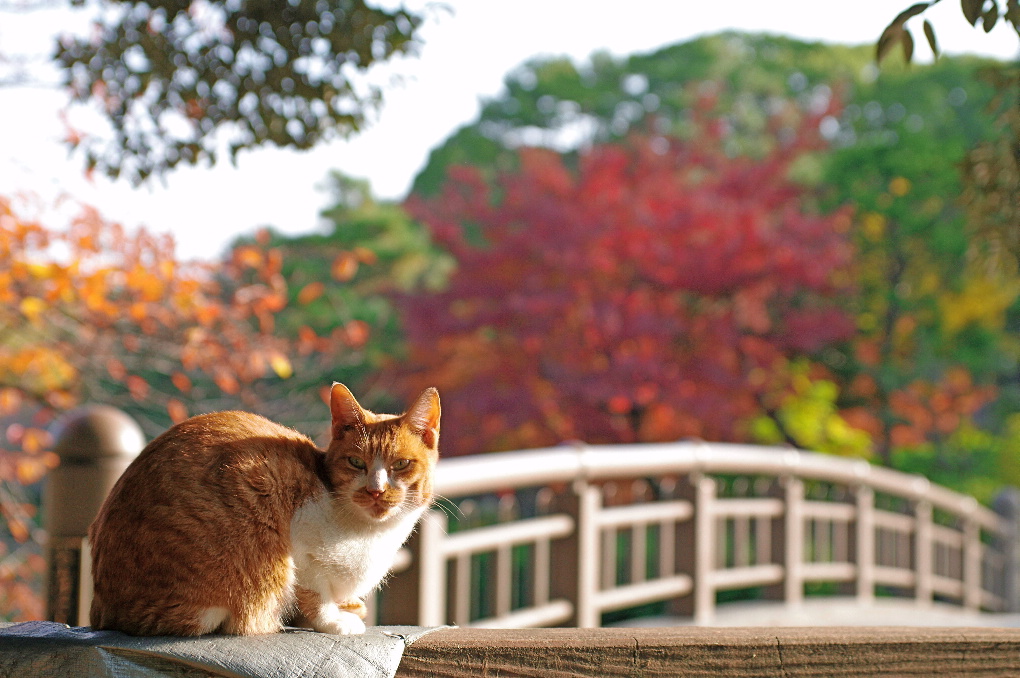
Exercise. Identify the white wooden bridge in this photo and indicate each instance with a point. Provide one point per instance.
(590, 535)
(655, 535)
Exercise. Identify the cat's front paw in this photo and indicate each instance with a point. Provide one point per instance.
(341, 623)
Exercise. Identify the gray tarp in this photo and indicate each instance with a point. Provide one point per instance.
(50, 650)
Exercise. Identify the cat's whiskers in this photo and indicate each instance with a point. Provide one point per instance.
(447, 506)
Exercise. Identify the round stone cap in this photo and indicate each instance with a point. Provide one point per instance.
(97, 431)
(1007, 502)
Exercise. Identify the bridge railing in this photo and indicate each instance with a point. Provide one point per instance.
(572, 535)
(567, 535)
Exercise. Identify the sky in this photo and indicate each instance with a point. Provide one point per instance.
(468, 50)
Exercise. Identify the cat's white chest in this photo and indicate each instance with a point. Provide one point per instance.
(343, 556)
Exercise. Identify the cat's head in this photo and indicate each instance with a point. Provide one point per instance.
(383, 464)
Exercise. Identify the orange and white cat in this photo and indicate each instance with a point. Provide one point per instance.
(230, 523)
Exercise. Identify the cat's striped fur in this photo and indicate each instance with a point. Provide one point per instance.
(230, 523)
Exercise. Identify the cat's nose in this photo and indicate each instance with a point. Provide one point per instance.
(375, 493)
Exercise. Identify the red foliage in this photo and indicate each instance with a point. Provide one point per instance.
(638, 296)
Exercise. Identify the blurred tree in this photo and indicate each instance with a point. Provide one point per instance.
(932, 314)
(931, 300)
(91, 313)
(557, 104)
(649, 291)
(991, 172)
(341, 285)
(944, 280)
(804, 410)
(185, 81)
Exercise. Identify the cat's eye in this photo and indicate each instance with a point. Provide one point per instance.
(401, 464)
(356, 462)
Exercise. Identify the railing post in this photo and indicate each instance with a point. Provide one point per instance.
(432, 579)
(793, 542)
(1007, 505)
(972, 590)
(399, 601)
(95, 444)
(705, 536)
(589, 614)
(924, 585)
(683, 541)
(575, 579)
(564, 552)
(788, 542)
(694, 546)
(864, 545)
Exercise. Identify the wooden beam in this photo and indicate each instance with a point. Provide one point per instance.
(830, 652)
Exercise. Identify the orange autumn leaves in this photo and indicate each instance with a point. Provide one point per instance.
(922, 410)
(92, 312)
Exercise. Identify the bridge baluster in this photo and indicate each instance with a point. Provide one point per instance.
(864, 544)
(923, 552)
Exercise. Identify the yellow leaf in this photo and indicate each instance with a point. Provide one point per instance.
(35, 440)
(138, 311)
(281, 366)
(10, 401)
(874, 226)
(249, 257)
(32, 308)
(42, 271)
(899, 186)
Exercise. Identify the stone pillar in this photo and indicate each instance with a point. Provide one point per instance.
(95, 444)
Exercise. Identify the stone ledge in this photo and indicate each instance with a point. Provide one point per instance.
(729, 652)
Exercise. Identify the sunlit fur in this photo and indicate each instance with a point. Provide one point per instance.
(230, 523)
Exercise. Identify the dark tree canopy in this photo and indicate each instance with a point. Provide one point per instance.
(180, 81)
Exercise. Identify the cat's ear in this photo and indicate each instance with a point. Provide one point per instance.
(423, 417)
(345, 410)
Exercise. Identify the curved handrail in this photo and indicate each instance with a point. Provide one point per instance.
(680, 535)
(460, 476)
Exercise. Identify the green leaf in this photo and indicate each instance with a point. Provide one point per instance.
(929, 32)
(972, 10)
(908, 46)
(892, 34)
(911, 12)
(1013, 13)
(896, 32)
(991, 17)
